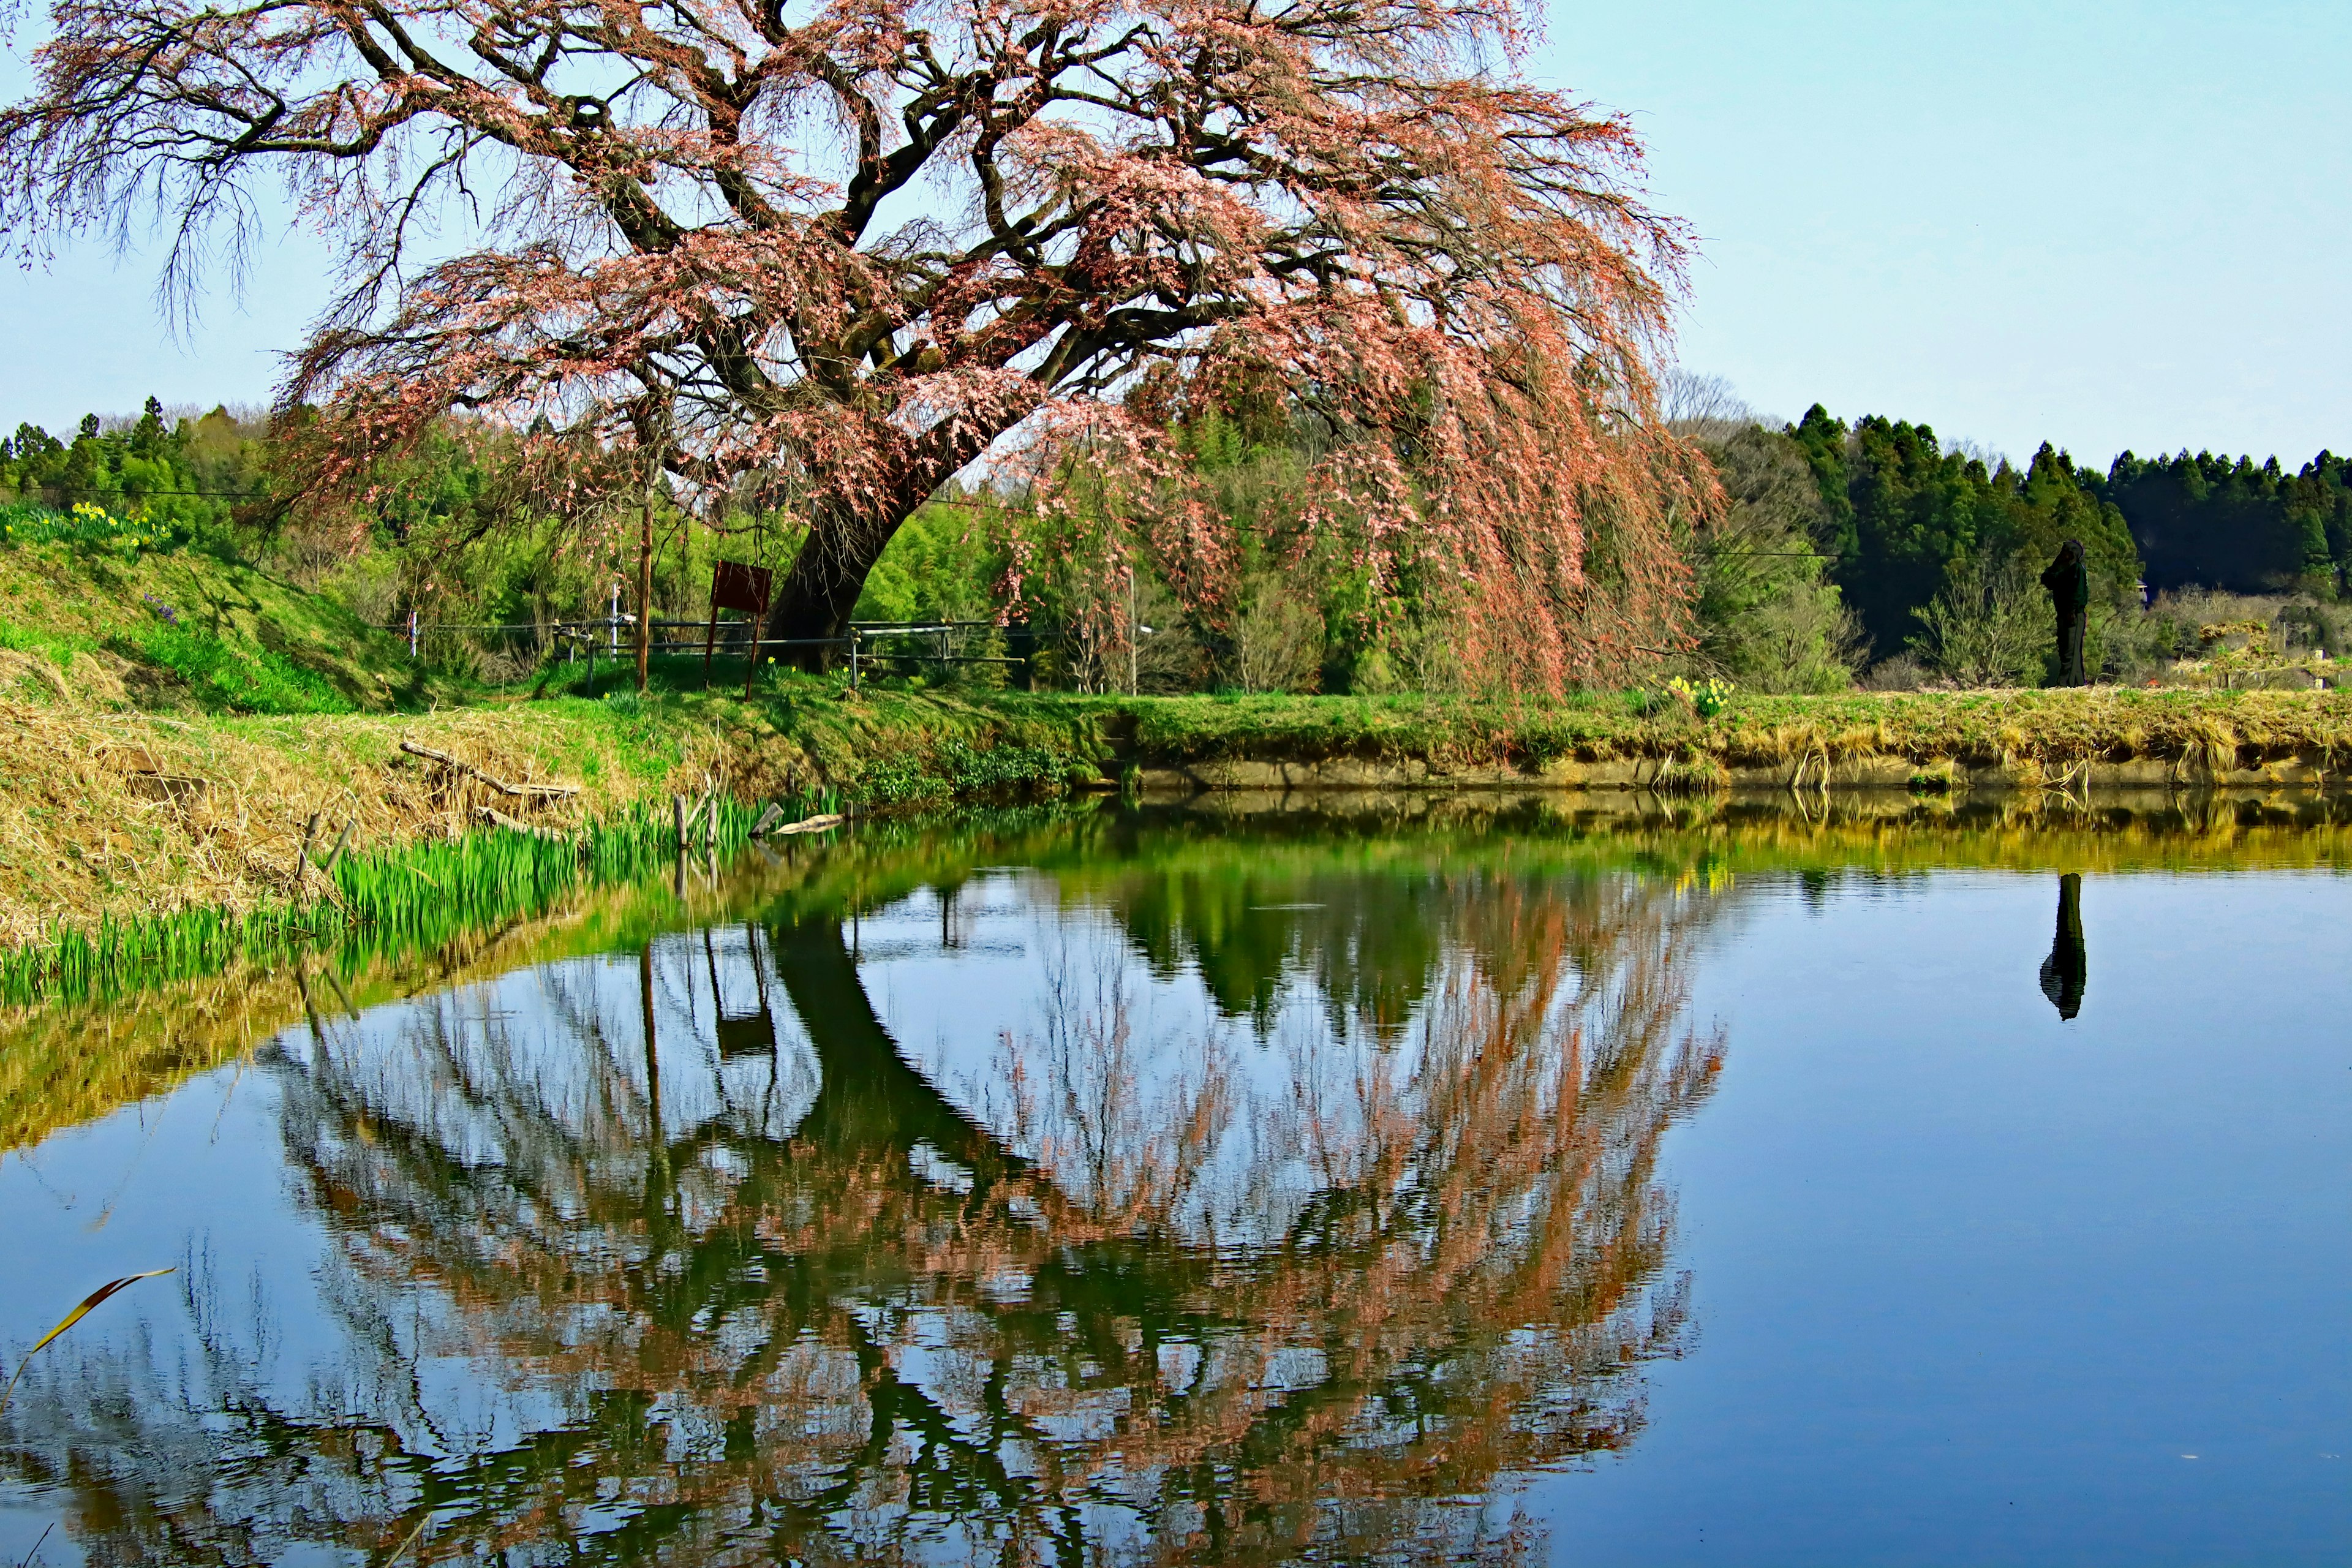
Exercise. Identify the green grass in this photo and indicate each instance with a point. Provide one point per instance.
(58, 648)
(408, 898)
(199, 629)
(2108, 724)
(232, 679)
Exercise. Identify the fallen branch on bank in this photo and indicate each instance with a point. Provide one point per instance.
(496, 819)
(512, 792)
(768, 825)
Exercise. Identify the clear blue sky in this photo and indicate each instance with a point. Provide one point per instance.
(2107, 226)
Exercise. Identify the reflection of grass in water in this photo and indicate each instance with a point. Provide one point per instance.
(419, 895)
(71, 1062)
(83, 1309)
(65, 1065)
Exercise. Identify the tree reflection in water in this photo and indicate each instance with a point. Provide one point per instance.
(767, 1293)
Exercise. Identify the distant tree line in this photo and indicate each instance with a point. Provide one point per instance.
(2247, 528)
(195, 470)
(1833, 548)
(1901, 510)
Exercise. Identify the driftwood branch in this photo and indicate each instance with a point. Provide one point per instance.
(808, 825)
(496, 819)
(512, 792)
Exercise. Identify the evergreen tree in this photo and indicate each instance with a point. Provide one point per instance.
(2206, 521)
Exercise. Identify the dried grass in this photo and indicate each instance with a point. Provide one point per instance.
(128, 815)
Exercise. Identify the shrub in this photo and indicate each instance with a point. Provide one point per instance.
(1989, 626)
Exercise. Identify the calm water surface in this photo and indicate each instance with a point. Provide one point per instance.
(1169, 1186)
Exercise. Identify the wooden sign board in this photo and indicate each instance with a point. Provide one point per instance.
(735, 587)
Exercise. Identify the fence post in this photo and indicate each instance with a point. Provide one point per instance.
(852, 658)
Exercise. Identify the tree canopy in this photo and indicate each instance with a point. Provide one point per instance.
(2247, 527)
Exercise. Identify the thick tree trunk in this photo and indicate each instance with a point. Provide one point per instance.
(820, 591)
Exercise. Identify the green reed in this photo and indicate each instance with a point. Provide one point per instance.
(418, 895)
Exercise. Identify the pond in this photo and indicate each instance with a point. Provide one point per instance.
(1384, 1180)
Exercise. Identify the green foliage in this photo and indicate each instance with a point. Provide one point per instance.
(1837, 540)
(957, 769)
(1764, 609)
(940, 565)
(184, 477)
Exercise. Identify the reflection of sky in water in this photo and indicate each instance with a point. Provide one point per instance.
(957, 993)
(1971, 1282)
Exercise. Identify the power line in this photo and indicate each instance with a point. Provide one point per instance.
(142, 495)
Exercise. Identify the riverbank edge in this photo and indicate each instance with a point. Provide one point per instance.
(111, 814)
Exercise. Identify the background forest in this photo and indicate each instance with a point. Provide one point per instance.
(1868, 552)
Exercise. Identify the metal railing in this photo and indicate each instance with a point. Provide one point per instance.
(575, 638)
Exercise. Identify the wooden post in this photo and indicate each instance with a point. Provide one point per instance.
(337, 852)
(709, 640)
(677, 814)
(302, 861)
(645, 585)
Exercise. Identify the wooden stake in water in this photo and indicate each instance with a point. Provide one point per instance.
(337, 852)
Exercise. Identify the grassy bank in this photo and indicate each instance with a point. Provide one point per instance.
(111, 814)
(116, 614)
(1971, 728)
(154, 833)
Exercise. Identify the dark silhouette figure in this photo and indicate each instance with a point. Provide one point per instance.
(2066, 968)
(2069, 581)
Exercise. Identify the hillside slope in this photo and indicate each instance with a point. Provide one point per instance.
(115, 622)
